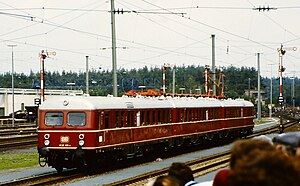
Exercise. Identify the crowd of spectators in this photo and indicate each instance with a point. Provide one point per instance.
(254, 162)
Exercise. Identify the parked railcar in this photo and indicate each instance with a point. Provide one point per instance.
(76, 131)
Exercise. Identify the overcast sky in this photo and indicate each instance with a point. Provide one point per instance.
(149, 33)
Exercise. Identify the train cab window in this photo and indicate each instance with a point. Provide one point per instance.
(54, 118)
(76, 119)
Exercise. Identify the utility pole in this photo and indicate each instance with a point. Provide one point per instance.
(164, 69)
(173, 86)
(12, 84)
(258, 87)
(114, 53)
(281, 52)
(271, 94)
(249, 81)
(87, 75)
(213, 64)
(293, 95)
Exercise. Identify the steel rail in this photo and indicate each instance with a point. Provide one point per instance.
(9, 143)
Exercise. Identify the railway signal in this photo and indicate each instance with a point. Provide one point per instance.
(164, 69)
(43, 55)
(282, 50)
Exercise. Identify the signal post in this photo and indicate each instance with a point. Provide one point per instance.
(282, 50)
(43, 56)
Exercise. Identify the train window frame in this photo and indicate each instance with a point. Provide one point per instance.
(58, 120)
(81, 121)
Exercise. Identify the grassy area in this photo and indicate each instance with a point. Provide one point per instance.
(261, 121)
(12, 161)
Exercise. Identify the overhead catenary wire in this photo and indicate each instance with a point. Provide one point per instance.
(136, 45)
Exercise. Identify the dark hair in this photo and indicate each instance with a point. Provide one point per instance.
(167, 180)
(244, 147)
(181, 171)
(265, 168)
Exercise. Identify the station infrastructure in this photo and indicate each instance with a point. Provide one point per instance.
(27, 97)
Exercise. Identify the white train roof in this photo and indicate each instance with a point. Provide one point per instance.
(93, 102)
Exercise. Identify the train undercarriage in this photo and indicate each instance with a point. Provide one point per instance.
(82, 158)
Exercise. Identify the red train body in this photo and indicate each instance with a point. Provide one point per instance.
(75, 131)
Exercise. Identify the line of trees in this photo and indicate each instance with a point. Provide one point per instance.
(236, 81)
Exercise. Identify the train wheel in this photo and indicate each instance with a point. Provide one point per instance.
(179, 142)
(224, 134)
(194, 139)
(59, 169)
(209, 136)
(172, 143)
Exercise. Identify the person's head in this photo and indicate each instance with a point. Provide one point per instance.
(167, 180)
(244, 147)
(265, 168)
(181, 171)
(221, 178)
(288, 143)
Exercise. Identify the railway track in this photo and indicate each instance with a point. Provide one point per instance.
(275, 128)
(199, 166)
(23, 134)
(19, 131)
(17, 126)
(13, 142)
(46, 178)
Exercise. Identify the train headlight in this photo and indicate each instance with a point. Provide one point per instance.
(46, 142)
(81, 142)
(81, 136)
(46, 136)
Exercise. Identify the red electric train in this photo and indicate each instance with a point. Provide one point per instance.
(74, 131)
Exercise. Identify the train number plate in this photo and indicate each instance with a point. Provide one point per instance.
(64, 139)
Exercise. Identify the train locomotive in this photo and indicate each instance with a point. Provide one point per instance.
(76, 131)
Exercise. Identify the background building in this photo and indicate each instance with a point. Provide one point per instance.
(27, 97)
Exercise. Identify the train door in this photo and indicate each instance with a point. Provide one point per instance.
(104, 120)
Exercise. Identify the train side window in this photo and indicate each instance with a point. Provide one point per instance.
(187, 114)
(54, 118)
(196, 114)
(147, 117)
(125, 119)
(101, 118)
(117, 118)
(106, 120)
(202, 114)
(227, 112)
(180, 115)
(142, 119)
(168, 116)
(76, 119)
(162, 116)
(158, 116)
(121, 119)
(154, 114)
(129, 119)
